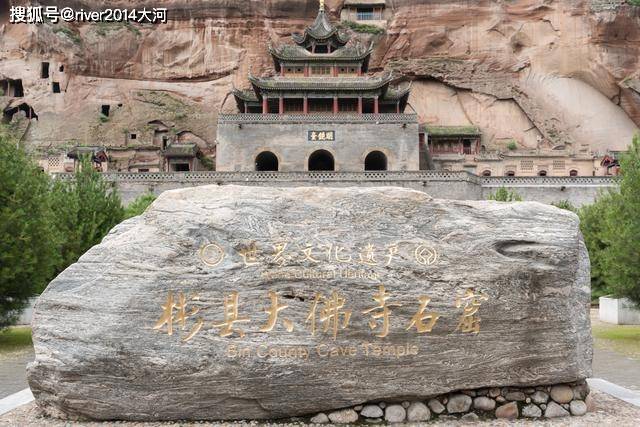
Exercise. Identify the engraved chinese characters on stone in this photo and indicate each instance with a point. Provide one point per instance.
(284, 252)
(327, 313)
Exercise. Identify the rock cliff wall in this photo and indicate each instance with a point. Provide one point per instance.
(541, 72)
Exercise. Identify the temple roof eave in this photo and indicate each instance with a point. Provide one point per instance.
(304, 55)
(319, 83)
(321, 30)
(303, 38)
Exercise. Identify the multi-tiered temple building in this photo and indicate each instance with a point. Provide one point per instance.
(322, 110)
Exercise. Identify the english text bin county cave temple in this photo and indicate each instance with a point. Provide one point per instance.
(322, 111)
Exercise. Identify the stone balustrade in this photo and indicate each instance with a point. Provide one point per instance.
(459, 185)
(317, 118)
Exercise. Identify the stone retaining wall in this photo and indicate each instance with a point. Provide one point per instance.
(439, 184)
(507, 403)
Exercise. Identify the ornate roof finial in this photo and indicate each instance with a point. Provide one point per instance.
(321, 5)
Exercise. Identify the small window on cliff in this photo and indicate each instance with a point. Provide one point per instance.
(105, 110)
(61, 68)
(133, 136)
(18, 91)
(44, 71)
(56, 87)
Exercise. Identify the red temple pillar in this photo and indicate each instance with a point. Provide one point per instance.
(281, 70)
(359, 70)
(281, 105)
(306, 71)
(359, 105)
(398, 107)
(265, 105)
(246, 109)
(305, 105)
(335, 105)
(335, 71)
(376, 110)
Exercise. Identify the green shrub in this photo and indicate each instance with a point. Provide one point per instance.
(592, 224)
(103, 118)
(139, 205)
(505, 195)
(28, 238)
(363, 28)
(207, 163)
(69, 33)
(565, 204)
(512, 145)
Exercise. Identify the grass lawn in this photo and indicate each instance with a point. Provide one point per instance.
(15, 338)
(623, 339)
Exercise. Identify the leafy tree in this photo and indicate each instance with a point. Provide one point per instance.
(505, 195)
(622, 230)
(592, 224)
(139, 205)
(28, 240)
(85, 209)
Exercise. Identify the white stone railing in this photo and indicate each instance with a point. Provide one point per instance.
(379, 176)
(547, 181)
(317, 118)
(222, 177)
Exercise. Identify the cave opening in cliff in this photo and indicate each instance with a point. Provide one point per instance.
(61, 68)
(44, 70)
(56, 87)
(13, 88)
(180, 167)
(29, 112)
(18, 91)
(105, 110)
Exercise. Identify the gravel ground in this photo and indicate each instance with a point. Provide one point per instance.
(609, 412)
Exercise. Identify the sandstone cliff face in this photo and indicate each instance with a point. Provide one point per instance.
(541, 72)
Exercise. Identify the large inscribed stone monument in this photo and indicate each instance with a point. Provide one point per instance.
(237, 303)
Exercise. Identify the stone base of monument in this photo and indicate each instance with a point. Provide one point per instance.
(551, 401)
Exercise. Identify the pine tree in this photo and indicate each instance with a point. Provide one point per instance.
(28, 240)
(85, 210)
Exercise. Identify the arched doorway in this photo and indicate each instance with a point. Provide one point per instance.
(573, 172)
(375, 161)
(542, 173)
(321, 160)
(266, 161)
(486, 173)
(510, 173)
